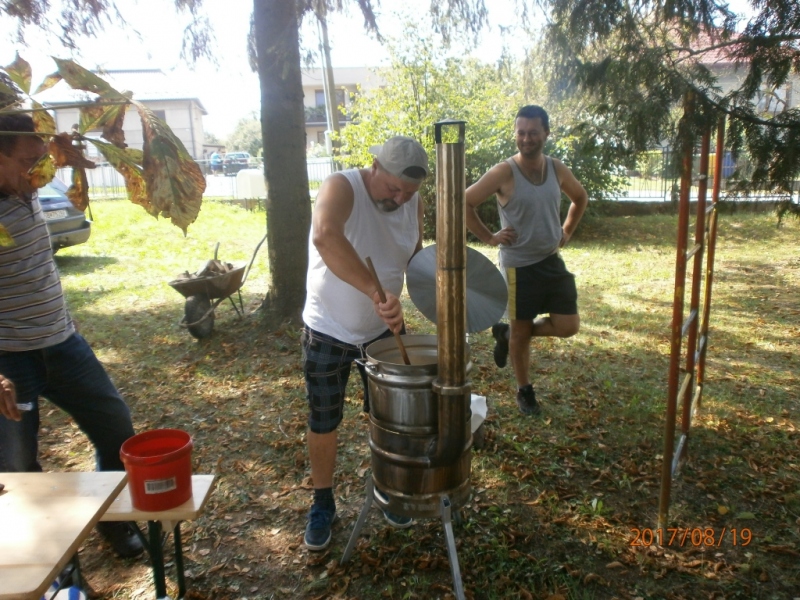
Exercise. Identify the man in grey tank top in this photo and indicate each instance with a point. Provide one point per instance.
(528, 187)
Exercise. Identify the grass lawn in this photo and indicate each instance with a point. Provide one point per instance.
(556, 500)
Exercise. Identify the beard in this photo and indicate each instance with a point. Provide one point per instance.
(387, 205)
(530, 151)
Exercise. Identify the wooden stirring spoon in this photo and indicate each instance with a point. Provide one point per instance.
(383, 299)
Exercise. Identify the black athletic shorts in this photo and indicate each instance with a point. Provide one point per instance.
(542, 288)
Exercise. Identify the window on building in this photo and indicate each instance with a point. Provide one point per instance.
(161, 114)
(319, 97)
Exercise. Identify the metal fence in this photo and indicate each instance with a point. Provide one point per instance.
(655, 179)
(105, 182)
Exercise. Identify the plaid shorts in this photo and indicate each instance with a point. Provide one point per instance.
(326, 367)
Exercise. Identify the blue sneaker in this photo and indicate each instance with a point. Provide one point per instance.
(318, 530)
(396, 521)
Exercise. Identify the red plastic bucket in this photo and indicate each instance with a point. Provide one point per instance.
(159, 467)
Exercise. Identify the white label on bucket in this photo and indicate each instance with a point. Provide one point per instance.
(159, 486)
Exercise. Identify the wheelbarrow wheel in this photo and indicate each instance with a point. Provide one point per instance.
(198, 316)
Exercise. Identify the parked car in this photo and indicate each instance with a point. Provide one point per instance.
(233, 162)
(67, 225)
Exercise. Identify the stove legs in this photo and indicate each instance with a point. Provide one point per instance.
(446, 510)
(360, 522)
(451, 548)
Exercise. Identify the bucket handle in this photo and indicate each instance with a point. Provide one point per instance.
(409, 381)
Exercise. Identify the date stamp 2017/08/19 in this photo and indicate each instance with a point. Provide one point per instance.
(691, 536)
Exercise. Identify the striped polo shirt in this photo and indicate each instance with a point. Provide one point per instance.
(33, 314)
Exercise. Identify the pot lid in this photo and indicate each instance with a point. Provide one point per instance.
(487, 294)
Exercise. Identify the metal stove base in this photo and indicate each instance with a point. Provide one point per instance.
(445, 514)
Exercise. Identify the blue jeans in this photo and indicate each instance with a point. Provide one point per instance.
(70, 376)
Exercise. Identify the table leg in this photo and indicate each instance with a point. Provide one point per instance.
(176, 538)
(157, 558)
(70, 576)
(77, 574)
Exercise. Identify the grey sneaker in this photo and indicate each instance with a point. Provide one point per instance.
(526, 401)
(500, 335)
(318, 530)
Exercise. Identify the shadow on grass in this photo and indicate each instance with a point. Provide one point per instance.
(660, 231)
(81, 265)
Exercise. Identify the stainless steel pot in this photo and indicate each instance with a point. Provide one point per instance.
(405, 432)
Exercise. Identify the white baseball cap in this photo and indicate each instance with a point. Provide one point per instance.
(399, 153)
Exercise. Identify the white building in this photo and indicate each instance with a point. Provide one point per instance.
(347, 81)
(730, 76)
(182, 111)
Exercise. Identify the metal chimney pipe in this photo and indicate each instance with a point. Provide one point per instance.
(451, 386)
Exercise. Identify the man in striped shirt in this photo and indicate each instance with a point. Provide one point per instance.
(41, 354)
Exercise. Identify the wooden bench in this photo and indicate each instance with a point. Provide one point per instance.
(160, 524)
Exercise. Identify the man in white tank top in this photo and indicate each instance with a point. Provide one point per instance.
(359, 213)
(528, 187)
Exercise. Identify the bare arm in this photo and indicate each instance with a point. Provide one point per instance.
(579, 199)
(332, 208)
(494, 181)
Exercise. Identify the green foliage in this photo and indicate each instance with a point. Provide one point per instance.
(246, 136)
(422, 89)
(210, 139)
(317, 151)
(636, 65)
(650, 164)
(67, 22)
(163, 178)
(596, 164)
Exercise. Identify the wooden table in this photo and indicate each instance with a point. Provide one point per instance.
(44, 517)
(162, 521)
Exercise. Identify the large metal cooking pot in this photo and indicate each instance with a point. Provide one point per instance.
(405, 432)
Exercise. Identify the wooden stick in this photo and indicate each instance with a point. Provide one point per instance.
(383, 299)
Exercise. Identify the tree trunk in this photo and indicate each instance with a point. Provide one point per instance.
(277, 25)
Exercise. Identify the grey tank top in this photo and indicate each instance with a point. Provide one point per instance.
(534, 213)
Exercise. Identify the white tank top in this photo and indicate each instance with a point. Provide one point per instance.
(336, 308)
